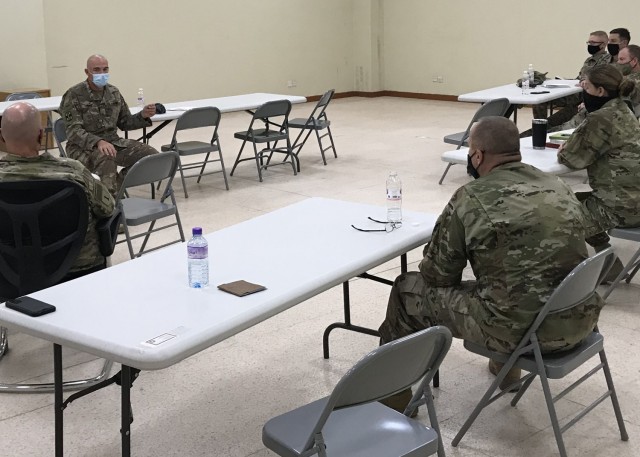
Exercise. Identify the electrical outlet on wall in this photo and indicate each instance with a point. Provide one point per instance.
(440, 79)
(434, 79)
(292, 83)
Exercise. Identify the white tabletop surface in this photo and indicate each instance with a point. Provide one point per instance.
(224, 104)
(543, 159)
(41, 104)
(556, 88)
(296, 252)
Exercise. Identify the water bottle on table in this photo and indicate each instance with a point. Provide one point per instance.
(525, 83)
(198, 258)
(140, 98)
(531, 74)
(394, 198)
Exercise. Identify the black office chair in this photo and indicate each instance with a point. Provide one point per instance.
(38, 247)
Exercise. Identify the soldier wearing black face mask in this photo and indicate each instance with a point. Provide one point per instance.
(607, 145)
(618, 39)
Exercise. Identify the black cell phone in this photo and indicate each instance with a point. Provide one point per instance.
(30, 306)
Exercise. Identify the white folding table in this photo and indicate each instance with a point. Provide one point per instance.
(552, 90)
(41, 104)
(142, 313)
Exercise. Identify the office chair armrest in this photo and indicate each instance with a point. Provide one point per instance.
(108, 231)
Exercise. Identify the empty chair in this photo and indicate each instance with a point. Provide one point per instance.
(275, 116)
(138, 210)
(316, 122)
(579, 285)
(38, 247)
(350, 422)
(497, 107)
(631, 268)
(193, 119)
(60, 134)
(17, 96)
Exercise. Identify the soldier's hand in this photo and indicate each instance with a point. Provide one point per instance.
(148, 110)
(106, 148)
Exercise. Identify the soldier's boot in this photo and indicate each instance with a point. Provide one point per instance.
(400, 401)
(616, 268)
(512, 376)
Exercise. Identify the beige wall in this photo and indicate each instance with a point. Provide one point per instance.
(477, 44)
(205, 48)
(22, 41)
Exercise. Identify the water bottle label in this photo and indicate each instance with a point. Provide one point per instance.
(198, 252)
(394, 194)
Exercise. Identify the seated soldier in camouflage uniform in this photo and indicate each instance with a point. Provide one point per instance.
(597, 48)
(607, 144)
(22, 132)
(522, 230)
(93, 111)
(619, 38)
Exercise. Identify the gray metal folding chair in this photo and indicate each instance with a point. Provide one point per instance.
(193, 119)
(632, 267)
(60, 134)
(316, 122)
(577, 287)
(497, 107)
(350, 422)
(138, 210)
(17, 96)
(275, 116)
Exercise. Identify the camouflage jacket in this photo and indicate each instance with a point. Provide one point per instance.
(45, 166)
(607, 144)
(599, 58)
(522, 230)
(634, 96)
(90, 116)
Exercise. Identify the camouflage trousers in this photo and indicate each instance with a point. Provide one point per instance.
(598, 219)
(569, 108)
(414, 306)
(107, 167)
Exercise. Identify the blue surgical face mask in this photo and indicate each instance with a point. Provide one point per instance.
(100, 79)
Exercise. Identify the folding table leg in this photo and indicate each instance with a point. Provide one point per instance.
(126, 411)
(57, 401)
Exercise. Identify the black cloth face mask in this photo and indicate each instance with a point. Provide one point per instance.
(471, 170)
(613, 48)
(593, 102)
(592, 49)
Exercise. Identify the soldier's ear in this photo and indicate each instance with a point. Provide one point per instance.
(40, 136)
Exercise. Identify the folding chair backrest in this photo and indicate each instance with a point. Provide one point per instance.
(273, 109)
(151, 169)
(207, 116)
(16, 96)
(37, 245)
(60, 133)
(388, 369)
(321, 106)
(496, 107)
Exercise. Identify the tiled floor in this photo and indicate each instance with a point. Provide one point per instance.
(215, 403)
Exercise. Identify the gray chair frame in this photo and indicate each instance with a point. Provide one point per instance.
(192, 119)
(316, 122)
(351, 418)
(496, 107)
(70, 190)
(275, 116)
(138, 211)
(579, 286)
(60, 134)
(632, 267)
(18, 96)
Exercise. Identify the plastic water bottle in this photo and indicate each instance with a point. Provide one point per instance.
(394, 198)
(198, 255)
(140, 98)
(531, 74)
(525, 83)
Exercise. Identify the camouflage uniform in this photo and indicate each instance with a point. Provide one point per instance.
(607, 144)
(569, 104)
(634, 96)
(91, 116)
(45, 166)
(523, 232)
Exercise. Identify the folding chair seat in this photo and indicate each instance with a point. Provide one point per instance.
(275, 116)
(38, 248)
(316, 122)
(632, 267)
(350, 422)
(193, 119)
(497, 107)
(17, 96)
(139, 210)
(577, 287)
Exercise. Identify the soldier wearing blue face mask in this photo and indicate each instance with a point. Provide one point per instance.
(93, 111)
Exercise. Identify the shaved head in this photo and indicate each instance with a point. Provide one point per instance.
(21, 129)
(97, 60)
(495, 135)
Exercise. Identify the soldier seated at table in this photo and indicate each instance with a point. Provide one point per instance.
(22, 131)
(522, 230)
(93, 111)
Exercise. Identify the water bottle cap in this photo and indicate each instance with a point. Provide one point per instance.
(196, 231)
